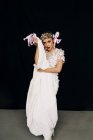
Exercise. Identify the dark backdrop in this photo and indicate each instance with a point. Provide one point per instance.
(74, 20)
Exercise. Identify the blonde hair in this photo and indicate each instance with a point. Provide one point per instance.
(46, 35)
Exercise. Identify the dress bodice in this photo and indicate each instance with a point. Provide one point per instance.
(52, 58)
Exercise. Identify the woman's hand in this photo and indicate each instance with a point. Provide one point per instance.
(35, 41)
(40, 70)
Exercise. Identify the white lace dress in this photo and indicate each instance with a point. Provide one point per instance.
(41, 104)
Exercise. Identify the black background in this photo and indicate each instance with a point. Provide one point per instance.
(74, 21)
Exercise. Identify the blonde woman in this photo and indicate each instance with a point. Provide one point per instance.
(41, 103)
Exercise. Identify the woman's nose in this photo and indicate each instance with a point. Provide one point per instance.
(47, 45)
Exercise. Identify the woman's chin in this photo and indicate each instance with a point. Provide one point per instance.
(49, 49)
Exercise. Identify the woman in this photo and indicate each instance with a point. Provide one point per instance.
(41, 104)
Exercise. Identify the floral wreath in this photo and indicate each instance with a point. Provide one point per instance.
(30, 38)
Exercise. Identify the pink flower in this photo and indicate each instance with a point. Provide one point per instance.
(30, 39)
(55, 36)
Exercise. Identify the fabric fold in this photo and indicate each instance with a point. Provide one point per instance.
(42, 61)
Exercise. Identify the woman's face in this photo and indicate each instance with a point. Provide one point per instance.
(48, 44)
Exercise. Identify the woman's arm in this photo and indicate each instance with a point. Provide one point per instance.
(56, 69)
(37, 51)
(36, 56)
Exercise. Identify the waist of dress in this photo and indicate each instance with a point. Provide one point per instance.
(45, 73)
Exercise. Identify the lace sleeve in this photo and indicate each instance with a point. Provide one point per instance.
(60, 55)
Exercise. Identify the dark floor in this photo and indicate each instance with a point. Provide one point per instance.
(72, 125)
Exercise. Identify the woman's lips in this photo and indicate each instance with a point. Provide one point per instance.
(48, 47)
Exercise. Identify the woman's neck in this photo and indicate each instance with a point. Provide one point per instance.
(51, 51)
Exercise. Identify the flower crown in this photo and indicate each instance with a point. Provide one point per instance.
(30, 38)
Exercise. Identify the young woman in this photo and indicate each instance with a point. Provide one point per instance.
(41, 104)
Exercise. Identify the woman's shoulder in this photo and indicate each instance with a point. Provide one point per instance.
(60, 51)
(60, 54)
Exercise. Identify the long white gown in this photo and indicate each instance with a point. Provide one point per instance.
(41, 103)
